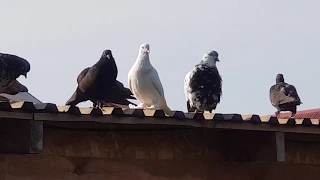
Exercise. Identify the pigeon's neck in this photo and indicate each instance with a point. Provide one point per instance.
(209, 63)
(279, 80)
(143, 61)
(103, 61)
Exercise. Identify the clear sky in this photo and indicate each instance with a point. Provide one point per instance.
(255, 41)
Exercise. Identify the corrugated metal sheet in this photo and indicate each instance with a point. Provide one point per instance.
(311, 113)
(21, 96)
(50, 110)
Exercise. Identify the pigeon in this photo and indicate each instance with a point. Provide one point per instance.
(97, 82)
(144, 83)
(284, 96)
(14, 88)
(11, 67)
(117, 95)
(203, 85)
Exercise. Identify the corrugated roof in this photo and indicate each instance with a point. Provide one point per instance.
(41, 109)
(21, 96)
(311, 113)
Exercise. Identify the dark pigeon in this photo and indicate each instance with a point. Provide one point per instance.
(203, 85)
(11, 67)
(14, 88)
(117, 95)
(284, 96)
(97, 82)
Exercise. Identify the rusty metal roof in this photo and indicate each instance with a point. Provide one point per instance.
(311, 113)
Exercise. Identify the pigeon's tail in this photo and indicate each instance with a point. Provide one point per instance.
(164, 107)
(76, 98)
(118, 100)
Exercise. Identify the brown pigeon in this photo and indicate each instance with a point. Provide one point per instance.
(284, 96)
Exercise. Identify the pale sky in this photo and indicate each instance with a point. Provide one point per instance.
(255, 40)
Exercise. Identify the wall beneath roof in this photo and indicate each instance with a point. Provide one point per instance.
(161, 143)
(35, 167)
(161, 152)
(303, 148)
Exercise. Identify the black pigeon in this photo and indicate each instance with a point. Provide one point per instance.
(11, 67)
(117, 95)
(203, 85)
(97, 82)
(284, 96)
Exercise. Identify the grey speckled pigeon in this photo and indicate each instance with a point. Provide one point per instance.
(284, 96)
(11, 67)
(203, 85)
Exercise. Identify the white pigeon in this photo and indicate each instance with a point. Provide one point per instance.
(145, 84)
(203, 85)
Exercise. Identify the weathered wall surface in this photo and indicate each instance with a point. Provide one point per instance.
(162, 153)
(33, 167)
(162, 144)
(303, 148)
(147, 144)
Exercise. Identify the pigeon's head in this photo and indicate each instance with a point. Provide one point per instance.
(144, 48)
(211, 58)
(279, 78)
(107, 54)
(25, 68)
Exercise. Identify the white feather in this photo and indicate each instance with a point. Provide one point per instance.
(186, 85)
(145, 84)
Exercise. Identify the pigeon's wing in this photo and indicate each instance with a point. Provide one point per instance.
(278, 95)
(89, 79)
(291, 91)
(158, 86)
(82, 74)
(84, 83)
(156, 82)
(273, 94)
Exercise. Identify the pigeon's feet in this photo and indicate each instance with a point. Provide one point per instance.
(131, 106)
(198, 111)
(99, 105)
(140, 106)
(277, 114)
(293, 114)
(153, 107)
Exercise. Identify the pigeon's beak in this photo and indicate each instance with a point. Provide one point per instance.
(108, 56)
(218, 60)
(148, 51)
(25, 75)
